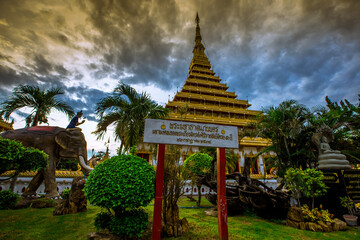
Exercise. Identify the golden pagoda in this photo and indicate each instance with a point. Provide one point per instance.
(204, 99)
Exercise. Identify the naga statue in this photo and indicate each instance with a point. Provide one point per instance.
(328, 158)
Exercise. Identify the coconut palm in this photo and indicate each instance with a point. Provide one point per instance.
(41, 101)
(127, 110)
(288, 127)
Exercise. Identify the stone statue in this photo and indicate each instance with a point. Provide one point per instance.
(328, 158)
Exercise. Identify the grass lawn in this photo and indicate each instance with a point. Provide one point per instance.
(41, 224)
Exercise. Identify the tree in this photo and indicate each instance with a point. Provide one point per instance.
(344, 119)
(127, 110)
(14, 156)
(41, 101)
(196, 166)
(172, 190)
(122, 185)
(309, 182)
(289, 129)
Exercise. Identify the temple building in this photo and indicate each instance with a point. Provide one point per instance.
(205, 99)
(4, 126)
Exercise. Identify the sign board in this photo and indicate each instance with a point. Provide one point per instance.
(352, 183)
(190, 134)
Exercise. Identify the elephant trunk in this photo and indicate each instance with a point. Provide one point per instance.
(85, 168)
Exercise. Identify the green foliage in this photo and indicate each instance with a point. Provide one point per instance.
(308, 182)
(124, 181)
(288, 128)
(122, 184)
(14, 156)
(103, 220)
(197, 164)
(131, 223)
(348, 203)
(127, 109)
(10, 154)
(8, 199)
(68, 164)
(33, 159)
(65, 193)
(42, 101)
(315, 215)
(133, 150)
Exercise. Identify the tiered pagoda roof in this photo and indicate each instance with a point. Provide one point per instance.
(5, 125)
(205, 98)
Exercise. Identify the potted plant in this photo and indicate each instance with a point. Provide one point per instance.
(346, 202)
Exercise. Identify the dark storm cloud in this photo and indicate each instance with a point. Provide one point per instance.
(266, 51)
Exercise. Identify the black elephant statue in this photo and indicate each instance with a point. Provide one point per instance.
(58, 143)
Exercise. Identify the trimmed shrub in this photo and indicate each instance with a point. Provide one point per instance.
(198, 164)
(122, 183)
(14, 156)
(129, 224)
(8, 199)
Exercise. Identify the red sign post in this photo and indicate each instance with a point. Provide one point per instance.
(221, 195)
(192, 134)
(158, 193)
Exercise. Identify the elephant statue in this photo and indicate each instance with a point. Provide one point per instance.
(58, 143)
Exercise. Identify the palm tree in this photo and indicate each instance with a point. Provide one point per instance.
(128, 110)
(40, 100)
(289, 128)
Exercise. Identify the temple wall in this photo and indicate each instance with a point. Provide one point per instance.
(65, 183)
(23, 182)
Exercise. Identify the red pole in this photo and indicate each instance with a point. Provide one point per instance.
(156, 234)
(221, 195)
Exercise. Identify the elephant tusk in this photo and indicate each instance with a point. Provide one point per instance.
(84, 166)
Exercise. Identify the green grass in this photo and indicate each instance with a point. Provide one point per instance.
(41, 224)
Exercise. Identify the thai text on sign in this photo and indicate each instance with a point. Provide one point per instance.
(190, 133)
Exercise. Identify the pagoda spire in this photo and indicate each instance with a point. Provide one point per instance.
(199, 47)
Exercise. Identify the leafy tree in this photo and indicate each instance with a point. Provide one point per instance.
(14, 156)
(121, 185)
(308, 182)
(344, 119)
(127, 110)
(41, 101)
(196, 166)
(8, 199)
(289, 129)
(231, 160)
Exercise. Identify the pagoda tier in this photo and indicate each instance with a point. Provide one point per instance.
(204, 98)
(4, 126)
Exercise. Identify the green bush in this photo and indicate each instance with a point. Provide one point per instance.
(65, 193)
(122, 184)
(8, 199)
(198, 164)
(33, 159)
(124, 181)
(10, 153)
(132, 223)
(14, 156)
(103, 220)
(129, 224)
(309, 182)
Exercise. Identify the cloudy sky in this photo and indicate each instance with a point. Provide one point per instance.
(267, 51)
